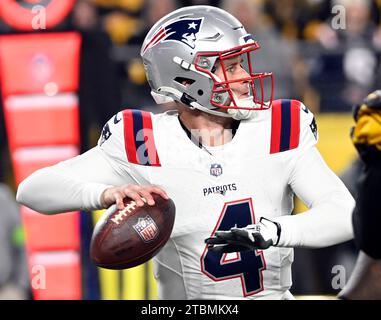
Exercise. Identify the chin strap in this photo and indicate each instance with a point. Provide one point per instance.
(239, 114)
(242, 114)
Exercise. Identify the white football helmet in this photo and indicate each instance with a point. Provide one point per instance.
(179, 55)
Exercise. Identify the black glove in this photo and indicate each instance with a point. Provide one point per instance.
(262, 235)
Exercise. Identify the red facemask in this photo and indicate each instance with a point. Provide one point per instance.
(222, 94)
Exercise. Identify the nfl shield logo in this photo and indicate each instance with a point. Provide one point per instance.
(215, 169)
(146, 228)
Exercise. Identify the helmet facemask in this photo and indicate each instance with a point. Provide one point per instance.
(223, 95)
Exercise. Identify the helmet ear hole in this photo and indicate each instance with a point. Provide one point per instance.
(184, 81)
(200, 92)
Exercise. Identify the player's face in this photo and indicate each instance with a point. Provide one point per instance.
(233, 71)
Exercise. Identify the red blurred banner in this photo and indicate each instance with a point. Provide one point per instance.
(30, 15)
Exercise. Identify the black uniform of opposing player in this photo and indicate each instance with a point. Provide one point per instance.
(365, 282)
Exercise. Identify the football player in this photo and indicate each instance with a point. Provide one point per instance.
(365, 281)
(229, 156)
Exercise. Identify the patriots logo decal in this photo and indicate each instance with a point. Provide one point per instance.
(184, 31)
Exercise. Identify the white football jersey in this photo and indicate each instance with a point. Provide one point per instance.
(216, 188)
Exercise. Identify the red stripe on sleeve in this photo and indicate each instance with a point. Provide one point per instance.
(129, 139)
(149, 140)
(295, 124)
(276, 121)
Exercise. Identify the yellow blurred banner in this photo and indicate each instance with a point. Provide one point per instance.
(334, 144)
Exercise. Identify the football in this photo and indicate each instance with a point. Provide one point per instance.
(126, 238)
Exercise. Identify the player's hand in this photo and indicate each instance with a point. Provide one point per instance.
(135, 192)
(366, 134)
(262, 235)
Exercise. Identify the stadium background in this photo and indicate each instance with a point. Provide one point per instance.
(60, 84)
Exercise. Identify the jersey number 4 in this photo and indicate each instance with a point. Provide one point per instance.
(248, 265)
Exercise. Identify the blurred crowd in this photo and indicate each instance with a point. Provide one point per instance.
(325, 53)
(326, 57)
(319, 54)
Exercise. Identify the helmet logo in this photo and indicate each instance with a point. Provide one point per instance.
(183, 30)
